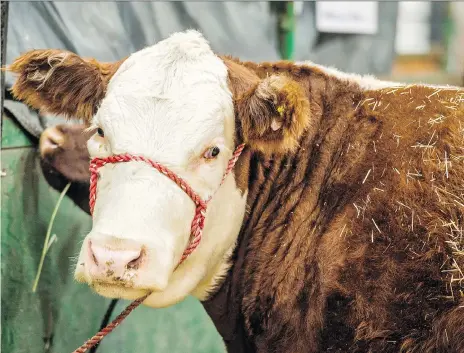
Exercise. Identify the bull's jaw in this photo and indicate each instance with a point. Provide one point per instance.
(202, 273)
(211, 279)
(118, 291)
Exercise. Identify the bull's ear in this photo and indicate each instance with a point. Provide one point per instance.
(273, 114)
(61, 82)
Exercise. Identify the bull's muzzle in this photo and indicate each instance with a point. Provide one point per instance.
(107, 262)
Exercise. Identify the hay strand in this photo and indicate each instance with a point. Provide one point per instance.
(47, 241)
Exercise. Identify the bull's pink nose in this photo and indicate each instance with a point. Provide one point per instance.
(115, 261)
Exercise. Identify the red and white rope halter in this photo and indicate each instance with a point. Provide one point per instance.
(201, 205)
(196, 227)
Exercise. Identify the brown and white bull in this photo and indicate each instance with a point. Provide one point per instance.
(339, 229)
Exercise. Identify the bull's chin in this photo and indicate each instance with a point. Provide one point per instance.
(115, 291)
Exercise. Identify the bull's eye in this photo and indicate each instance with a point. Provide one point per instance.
(100, 132)
(212, 152)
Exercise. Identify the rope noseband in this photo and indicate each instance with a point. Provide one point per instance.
(196, 227)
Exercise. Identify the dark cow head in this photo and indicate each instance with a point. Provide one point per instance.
(64, 158)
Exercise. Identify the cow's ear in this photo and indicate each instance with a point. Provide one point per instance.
(61, 82)
(273, 114)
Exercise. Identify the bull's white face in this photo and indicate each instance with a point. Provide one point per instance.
(171, 103)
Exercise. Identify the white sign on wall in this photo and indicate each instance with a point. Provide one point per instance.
(359, 17)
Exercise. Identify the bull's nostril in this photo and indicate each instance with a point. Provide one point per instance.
(135, 263)
(92, 254)
(113, 262)
(94, 259)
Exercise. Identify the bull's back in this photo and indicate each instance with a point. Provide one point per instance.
(399, 285)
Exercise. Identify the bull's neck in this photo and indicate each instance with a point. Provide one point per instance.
(276, 185)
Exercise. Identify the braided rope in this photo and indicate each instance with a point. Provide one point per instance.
(102, 333)
(196, 228)
(233, 160)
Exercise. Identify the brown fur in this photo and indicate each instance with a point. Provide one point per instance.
(353, 241)
(60, 82)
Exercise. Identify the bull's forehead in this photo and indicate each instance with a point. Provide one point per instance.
(170, 96)
(182, 59)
